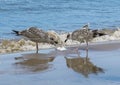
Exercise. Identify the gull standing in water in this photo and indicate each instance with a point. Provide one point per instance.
(37, 36)
(84, 35)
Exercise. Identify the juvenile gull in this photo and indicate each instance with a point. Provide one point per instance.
(84, 35)
(36, 35)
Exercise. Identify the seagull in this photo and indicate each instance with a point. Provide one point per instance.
(36, 35)
(84, 35)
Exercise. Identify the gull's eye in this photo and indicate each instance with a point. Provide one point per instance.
(56, 42)
(51, 38)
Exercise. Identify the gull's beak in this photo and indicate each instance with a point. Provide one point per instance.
(61, 48)
(65, 40)
(68, 36)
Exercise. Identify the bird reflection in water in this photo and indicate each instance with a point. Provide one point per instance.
(33, 63)
(83, 65)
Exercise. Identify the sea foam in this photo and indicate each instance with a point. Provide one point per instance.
(114, 36)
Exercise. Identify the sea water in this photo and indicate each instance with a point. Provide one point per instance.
(66, 15)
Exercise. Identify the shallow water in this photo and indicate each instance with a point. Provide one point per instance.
(62, 68)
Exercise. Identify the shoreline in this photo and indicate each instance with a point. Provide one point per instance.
(95, 46)
(98, 46)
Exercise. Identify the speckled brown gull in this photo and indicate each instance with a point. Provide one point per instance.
(84, 35)
(36, 35)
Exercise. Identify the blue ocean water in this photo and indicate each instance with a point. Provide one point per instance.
(65, 15)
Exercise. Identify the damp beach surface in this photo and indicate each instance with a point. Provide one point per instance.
(19, 65)
(50, 67)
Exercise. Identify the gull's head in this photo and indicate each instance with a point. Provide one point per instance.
(86, 26)
(54, 37)
(54, 42)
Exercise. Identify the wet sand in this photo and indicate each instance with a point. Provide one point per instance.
(98, 46)
(51, 67)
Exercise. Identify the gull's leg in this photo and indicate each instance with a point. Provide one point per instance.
(77, 50)
(36, 47)
(87, 49)
(55, 47)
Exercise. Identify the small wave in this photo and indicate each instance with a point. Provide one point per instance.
(114, 36)
(10, 46)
